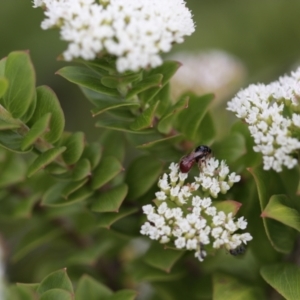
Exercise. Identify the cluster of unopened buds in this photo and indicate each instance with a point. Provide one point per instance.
(184, 215)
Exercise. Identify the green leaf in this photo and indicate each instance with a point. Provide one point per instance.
(149, 82)
(19, 293)
(111, 200)
(2, 66)
(86, 78)
(104, 106)
(56, 280)
(20, 74)
(141, 175)
(57, 294)
(119, 81)
(89, 288)
(231, 147)
(206, 131)
(166, 122)
(93, 153)
(75, 147)
(278, 209)
(12, 141)
(163, 259)
(173, 139)
(280, 236)
(107, 219)
(123, 295)
(228, 206)
(189, 120)
(54, 196)
(145, 120)
(13, 170)
(284, 278)
(167, 69)
(108, 168)
(47, 102)
(3, 86)
(82, 169)
(228, 287)
(44, 159)
(71, 187)
(36, 131)
(5, 124)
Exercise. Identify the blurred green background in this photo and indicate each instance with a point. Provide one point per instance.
(265, 34)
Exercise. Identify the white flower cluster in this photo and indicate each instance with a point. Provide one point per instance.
(194, 222)
(209, 71)
(272, 114)
(134, 31)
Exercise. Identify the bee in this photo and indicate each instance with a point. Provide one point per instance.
(237, 251)
(199, 155)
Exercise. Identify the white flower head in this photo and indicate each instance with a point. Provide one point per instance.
(194, 221)
(272, 113)
(133, 31)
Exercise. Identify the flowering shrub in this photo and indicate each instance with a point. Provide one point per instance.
(106, 219)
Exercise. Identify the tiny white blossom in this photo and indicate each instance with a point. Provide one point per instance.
(148, 209)
(161, 195)
(180, 243)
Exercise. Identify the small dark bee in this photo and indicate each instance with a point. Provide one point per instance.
(237, 251)
(199, 155)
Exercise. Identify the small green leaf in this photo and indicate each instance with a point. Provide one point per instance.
(228, 206)
(2, 66)
(13, 170)
(36, 131)
(56, 280)
(44, 159)
(93, 153)
(141, 176)
(231, 148)
(12, 141)
(145, 120)
(53, 197)
(149, 82)
(195, 112)
(110, 201)
(47, 102)
(19, 293)
(175, 138)
(166, 122)
(82, 169)
(5, 125)
(280, 236)
(277, 209)
(20, 74)
(75, 147)
(284, 278)
(109, 105)
(3, 86)
(228, 287)
(86, 78)
(167, 69)
(108, 168)
(71, 187)
(117, 81)
(206, 131)
(57, 294)
(163, 259)
(107, 219)
(90, 289)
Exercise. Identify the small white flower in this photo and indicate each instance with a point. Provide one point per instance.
(162, 208)
(161, 195)
(191, 244)
(180, 243)
(241, 223)
(148, 209)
